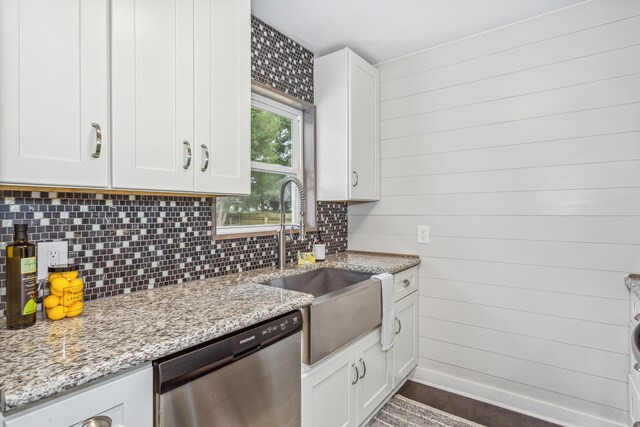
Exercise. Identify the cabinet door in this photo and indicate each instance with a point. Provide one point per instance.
(364, 144)
(328, 392)
(222, 96)
(53, 86)
(375, 381)
(127, 399)
(405, 346)
(152, 94)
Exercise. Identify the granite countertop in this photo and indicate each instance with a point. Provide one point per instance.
(118, 333)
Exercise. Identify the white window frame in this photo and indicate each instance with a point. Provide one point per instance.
(296, 168)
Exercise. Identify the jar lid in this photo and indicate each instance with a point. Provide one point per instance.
(62, 268)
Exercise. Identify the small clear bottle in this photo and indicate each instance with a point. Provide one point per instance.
(320, 249)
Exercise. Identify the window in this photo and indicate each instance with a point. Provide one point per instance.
(276, 151)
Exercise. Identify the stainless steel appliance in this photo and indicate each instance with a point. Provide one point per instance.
(347, 305)
(250, 378)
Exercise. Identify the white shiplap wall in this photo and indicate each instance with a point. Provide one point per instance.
(520, 147)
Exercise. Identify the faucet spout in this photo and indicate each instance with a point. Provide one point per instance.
(282, 250)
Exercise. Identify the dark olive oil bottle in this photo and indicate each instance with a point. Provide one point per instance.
(21, 280)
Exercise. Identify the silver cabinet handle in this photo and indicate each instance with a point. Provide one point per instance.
(406, 282)
(206, 158)
(637, 317)
(98, 421)
(636, 366)
(96, 126)
(399, 326)
(357, 374)
(364, 368)
(186, 144)
(355, 176)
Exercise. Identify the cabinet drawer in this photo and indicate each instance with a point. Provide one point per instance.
(405, 282)
(127, 399)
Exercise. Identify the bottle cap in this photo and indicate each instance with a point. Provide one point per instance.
(20, 231)
(62, 268)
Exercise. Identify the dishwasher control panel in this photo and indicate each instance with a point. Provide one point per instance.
(266, 332)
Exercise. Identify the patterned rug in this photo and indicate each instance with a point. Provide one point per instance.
(401, 412)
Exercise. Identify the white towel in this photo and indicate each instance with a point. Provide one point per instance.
(388, 331)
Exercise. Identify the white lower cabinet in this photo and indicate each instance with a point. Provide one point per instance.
(375, 379)
(345, 389)
(329, 392)
(126, 399)
(405, 346)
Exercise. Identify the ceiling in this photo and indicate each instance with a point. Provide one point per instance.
(381, 30)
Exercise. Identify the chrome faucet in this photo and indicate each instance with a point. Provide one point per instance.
(282, 234)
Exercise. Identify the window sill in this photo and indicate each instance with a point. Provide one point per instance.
(256, 233)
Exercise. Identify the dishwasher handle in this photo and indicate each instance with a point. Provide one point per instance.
(246, 353)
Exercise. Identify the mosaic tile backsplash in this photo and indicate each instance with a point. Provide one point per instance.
(280, 62)
(127, 243)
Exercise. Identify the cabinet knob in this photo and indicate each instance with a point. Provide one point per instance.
(188, 163)
(636, 367)
(96, 154)
(399, 326)
(406, 282)
(98, 421)
(355, 178)
(206, 158)
(637, 317)
(364, 368)
(357, 374)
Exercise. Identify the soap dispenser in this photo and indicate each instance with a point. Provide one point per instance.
(319, 248)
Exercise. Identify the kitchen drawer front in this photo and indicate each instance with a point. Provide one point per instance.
(127, 399)
(405, 282)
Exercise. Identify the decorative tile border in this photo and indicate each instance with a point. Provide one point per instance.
(280, 62)
(127, 243)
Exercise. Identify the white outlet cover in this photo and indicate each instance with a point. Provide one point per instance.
(423, 234)
(44, 248)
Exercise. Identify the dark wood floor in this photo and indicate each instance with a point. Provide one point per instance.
(464, 407)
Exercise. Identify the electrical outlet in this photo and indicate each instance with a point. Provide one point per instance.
(51, 253)
(423, 234)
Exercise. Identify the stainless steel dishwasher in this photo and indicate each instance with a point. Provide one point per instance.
(249, 378)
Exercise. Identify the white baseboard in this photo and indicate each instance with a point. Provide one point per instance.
(514, 402)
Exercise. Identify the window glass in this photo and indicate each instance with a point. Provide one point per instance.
(270, 138)
(276, 152)
(262, 207)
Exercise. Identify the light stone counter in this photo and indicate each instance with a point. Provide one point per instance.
(118, 333)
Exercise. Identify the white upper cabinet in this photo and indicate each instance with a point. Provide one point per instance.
(181, 94)
(152, 94)
(348, 151)
(222, 96)
(53, 88)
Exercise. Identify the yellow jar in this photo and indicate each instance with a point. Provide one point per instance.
(66, 292)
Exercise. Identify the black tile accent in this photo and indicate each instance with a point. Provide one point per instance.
(127, 243)
(280, 62)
